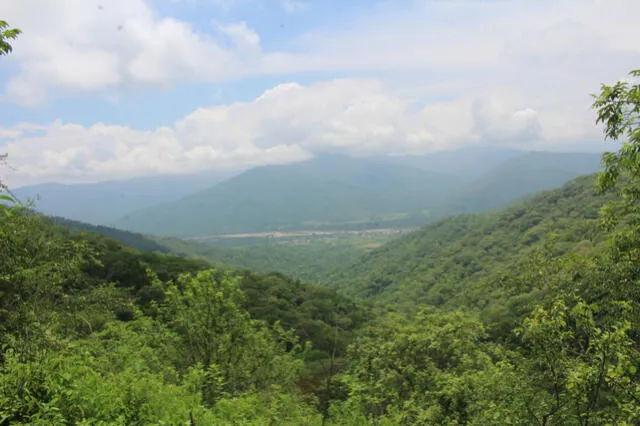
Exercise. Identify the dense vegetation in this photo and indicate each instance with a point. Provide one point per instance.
(527, 316)
(310, 261)
(153, 337)
(435, 264)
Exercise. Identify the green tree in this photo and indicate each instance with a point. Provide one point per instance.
(6, 34)
(584, 373)
(235, 352)
(436, 368)
(618, 109)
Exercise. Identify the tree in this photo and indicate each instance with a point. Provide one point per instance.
(585, 371)
(7, 33)
(234, 352)
(618, 108)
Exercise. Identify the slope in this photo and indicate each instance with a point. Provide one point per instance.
(131, 239)
(440, 262)
(522, 176)
(467, 163)
(103, 202)
(326, 190)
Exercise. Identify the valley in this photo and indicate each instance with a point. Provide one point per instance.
(351, 252)
(306, 236)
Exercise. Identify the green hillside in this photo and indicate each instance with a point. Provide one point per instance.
(439, 263)
(335, 192)
(529, 315)
(521, 176)
(130, 239)
(103, 316)
(327, 190)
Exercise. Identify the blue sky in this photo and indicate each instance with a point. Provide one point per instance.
(109, 89)
(278, 23)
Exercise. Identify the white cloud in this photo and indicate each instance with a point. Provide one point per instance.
(242, 36)
(456, 73)
(287, 123)
(291, 7)
(75, 46)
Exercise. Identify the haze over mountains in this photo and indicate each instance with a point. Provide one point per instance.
(326, 192)
(104, 202)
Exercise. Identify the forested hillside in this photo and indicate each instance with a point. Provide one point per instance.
(521, 176)
(95, 330)
(443, 261)
(525, 316)
(328, 190)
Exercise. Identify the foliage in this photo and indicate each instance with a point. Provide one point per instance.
(618, 108)
(77, 349)
(6, 35)
(526, 316)
(439, 264)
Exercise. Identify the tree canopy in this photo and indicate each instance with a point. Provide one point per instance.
(526, 316)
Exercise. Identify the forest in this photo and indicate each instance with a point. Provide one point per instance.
(529, 315)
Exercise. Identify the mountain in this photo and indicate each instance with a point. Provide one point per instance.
(443, 261)
(103, 202)
(520, 176)
(327, 190)
(130, 239)
(466, 163)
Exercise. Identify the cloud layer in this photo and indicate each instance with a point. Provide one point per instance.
(445, 74)
(287, 123)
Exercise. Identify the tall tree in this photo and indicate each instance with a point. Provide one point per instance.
(618, 109)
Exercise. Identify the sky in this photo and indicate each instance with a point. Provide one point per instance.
(115, 89)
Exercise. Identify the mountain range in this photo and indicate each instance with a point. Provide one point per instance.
(326, 192)
(103, 203)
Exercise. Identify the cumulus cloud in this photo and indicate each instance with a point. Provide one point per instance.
(514, 73)
(287, 123)
(80, 46)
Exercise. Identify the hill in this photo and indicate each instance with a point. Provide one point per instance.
(328, 190)
(337, 192)
(103, 202)
(467, 164)
(439, 263)
(521, 176)
(130, 239)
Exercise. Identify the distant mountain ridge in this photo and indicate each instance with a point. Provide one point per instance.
(521, 176)
(467, 164)
(334, 190)
(104, 202)
(328, 192)
(326, 189)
